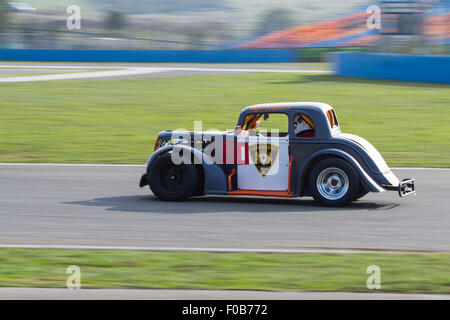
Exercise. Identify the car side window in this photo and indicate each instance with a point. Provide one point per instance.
(266, 124)
(303, 126)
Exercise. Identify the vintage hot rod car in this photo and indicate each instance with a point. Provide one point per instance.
(308, 156)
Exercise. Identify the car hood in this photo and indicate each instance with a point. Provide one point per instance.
(169, 134)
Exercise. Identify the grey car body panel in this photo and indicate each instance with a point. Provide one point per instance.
(365, 178)
(215, 178)
(373, 174)
(367, 161)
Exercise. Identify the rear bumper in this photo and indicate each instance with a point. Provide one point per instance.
(143, 181)
(404, 188)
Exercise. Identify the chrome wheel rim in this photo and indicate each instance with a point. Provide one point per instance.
(332, 183)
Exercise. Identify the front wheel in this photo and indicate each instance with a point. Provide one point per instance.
(172, 182)
(333, 182)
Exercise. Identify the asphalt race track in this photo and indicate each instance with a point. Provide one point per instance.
(103, 206)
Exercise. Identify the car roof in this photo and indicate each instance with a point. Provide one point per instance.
(287, 106)
(314, 110)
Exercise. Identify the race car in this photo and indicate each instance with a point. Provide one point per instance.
(297, 150)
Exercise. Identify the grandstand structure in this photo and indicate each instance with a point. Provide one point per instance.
(402, 22)
(348, 30)
(437, 24)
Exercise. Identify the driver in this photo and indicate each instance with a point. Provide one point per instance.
(303, 126)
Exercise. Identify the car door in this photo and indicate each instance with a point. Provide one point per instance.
(267, 163)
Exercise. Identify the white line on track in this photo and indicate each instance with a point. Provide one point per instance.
(11, 66)
(143, 165)
(82, 75)
(256, 250)
(166, 68)
(126, 71)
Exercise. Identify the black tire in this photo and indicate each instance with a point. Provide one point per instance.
(362, 193)
(333, 182)
(172, 182)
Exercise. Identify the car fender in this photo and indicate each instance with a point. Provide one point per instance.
(365, 178)
(215, 178)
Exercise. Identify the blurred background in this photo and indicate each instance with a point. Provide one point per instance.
(414, 26)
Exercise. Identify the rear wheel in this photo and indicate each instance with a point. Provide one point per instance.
(172, 182)
(362, 193)
(333, 182)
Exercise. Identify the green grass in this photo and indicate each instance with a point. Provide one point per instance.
(116, 121)
(409, 272)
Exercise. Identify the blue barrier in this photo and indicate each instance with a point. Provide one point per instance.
(206, 56)
(392, 66)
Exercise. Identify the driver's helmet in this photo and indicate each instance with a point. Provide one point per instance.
(302, 123)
